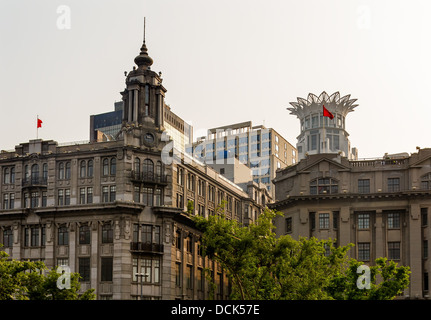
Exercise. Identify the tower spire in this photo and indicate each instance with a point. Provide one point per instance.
(144, 29)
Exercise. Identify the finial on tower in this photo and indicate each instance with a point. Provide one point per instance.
(144, 29)
(143, 59)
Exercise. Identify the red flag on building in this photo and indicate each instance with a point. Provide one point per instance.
(326, 113)
(39, 123)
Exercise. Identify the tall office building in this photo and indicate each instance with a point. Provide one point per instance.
(262, 149)
(119, 212)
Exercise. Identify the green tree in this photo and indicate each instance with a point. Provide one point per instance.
(25, 280)
(263, 266)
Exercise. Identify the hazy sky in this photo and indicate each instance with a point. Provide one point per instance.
(222, 62)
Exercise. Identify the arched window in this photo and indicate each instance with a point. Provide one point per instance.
(105, 166)
(45, 172)
(148, 168)
(61, 170)
(324, 186)
(67, 173)
(34, 172)
(89, 168)
(113, 168)
(82, 169)
(159, 169)
(137, 166)
(12, 175)
(426, 181)
(6, 176)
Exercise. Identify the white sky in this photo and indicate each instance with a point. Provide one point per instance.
(223, 61)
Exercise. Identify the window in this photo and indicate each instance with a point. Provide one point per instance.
(393, 184)
(394, 250)
(200, 279)
(34, 236)
(60, 199)
(158, 197)
(288, 225)
(6, 201)
(324, 186)
(425, 249)
(105, 194)
(335, 217)
(8, 237)
(12, 175)
(178, 239)
(312, 220)
(363, 220)
(84, 269)
(189, 244)
(61, 170)
(148, 169)
(113, 167)
(146, 269)
(82, 169)
(67, 170)
(147, 196)
(146, 234)
(90, 195)
(11, 200)
(426, 281)
(178, 274)
(364, 185)
(137, 166)
(150, 268)
(107, 233)
(6, 176)
(426, 181)
(180, 177)
(89, 168)
(324, 221)
(106, 268)
(424, 217)
(189, 277)
(67, 197)
(81, 195)
(105, 166)
(180, 200)
(394, 220)
(84, 234)
(112, 193)
(63, 236)
(34, 199)
(364, 251)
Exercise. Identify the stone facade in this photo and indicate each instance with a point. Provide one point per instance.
(380, 205)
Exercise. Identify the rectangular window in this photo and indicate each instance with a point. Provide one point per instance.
(312, 220)
(82, 196)
(8, 238)
(26, 237)
(147, 196)
(106, 269)
(105, 194)
(63, 236)
(156, 264)
(34, 236)
(189, 277)
(112, 193)
(424, 217)
(324, 221)
(426, 281)
(44, 198)
(394, 220)
(60, 199)
(364, 251)
(335, 217)
(393, 184)
(84, 235)
(146, 234)
(146, 269)
(178, 274)
(67, 197)
(90, 195)
(394, 250)
(363, 220)
(136, 194)
(107, 233)
(6, 201)
(158, 197)
(84, 269)
(34, 200)
(288, 225)
(364, 185)
(134, 269)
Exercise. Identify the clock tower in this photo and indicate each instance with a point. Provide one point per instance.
(143, 99)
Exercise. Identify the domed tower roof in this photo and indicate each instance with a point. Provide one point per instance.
(143, 59)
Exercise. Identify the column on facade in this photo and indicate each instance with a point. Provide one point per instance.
(379, 241)
(414, 252)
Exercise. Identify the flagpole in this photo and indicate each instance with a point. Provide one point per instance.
(324, 133)
(37, 127)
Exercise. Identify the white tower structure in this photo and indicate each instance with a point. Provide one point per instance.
(321, 134)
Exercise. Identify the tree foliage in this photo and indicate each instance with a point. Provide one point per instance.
(27, 280)
(261, 265)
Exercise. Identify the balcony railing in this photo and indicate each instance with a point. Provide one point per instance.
(34, 181)
(146, 247)
(149, 177)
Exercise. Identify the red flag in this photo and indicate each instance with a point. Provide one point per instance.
(39, 123)
(326, 113)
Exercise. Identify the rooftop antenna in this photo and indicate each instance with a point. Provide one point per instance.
(144, 29)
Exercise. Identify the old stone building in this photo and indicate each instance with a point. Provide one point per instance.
(380, 205)
(118, 212)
